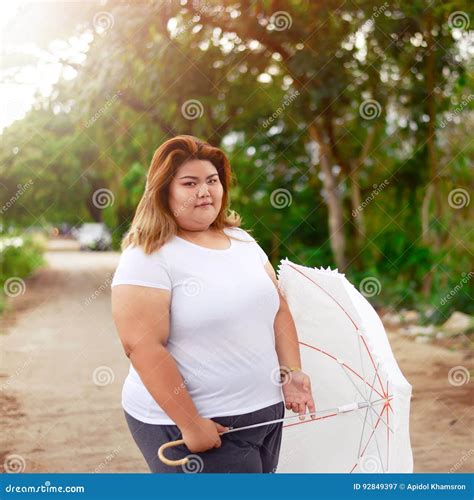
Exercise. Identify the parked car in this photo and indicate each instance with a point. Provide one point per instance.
(61, 230)
(94, 236)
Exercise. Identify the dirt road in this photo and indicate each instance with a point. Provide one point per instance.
(62, 368)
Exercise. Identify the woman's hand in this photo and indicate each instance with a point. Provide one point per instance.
(202, 434)
(296, 388)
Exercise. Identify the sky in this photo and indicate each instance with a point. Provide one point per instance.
(17, 94)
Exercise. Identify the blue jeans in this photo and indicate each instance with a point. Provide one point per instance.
(250, 450)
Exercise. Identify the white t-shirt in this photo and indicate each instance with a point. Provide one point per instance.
(223, 307)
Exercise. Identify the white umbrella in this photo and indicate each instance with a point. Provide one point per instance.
(362, 398)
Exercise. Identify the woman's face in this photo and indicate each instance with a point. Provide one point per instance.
(195, 183)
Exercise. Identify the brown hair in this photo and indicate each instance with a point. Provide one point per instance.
(154, 223)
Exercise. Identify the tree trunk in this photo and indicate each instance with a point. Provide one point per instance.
(432, 189)
(95, 211)
(355, 167)
(335, 209)
(356, 201)
(275, 247)
(433, 185)
(425, 213)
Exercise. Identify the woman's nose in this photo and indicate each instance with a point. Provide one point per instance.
(203, 189)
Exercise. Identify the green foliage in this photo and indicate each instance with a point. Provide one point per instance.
(19, 257)
(100, 130)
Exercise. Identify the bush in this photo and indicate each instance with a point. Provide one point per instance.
(19, 257)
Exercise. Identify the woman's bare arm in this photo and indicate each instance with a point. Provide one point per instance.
(286, 337)
(297, 388)
(142, 317)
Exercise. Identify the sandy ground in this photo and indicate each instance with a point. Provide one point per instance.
(62, 369)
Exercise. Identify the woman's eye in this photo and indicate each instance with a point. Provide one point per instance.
(189, 183)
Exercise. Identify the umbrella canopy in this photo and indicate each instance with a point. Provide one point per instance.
(357, 385)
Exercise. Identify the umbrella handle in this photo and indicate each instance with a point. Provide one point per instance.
(167, 461)
(181, 461)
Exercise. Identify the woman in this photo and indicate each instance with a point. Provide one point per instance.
(197, 308)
